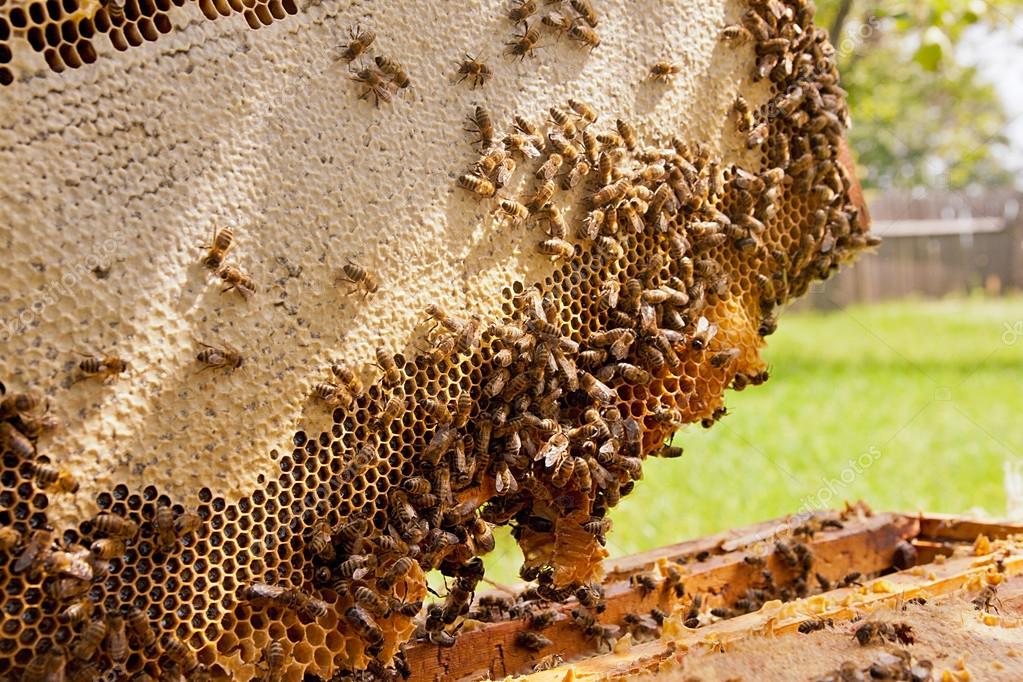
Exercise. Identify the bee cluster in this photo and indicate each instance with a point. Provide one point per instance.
(670, 267)
(382, 77)
(579, 22)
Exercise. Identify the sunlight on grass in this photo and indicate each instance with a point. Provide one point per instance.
(909, 405)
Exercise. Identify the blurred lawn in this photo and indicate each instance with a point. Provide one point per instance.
(909, 405)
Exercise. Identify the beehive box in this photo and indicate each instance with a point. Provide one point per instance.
(883, 596)
(576, 324)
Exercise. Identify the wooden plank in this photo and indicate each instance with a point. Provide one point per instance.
(928, 550)
(776, 620)
(865, 545)
(948, 527)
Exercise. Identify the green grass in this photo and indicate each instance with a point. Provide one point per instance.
(910, 405)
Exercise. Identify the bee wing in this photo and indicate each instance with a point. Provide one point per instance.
(553, 450)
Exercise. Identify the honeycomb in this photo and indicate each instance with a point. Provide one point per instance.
(65, 32)
(661, 293)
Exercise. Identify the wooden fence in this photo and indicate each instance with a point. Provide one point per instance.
(934, 245)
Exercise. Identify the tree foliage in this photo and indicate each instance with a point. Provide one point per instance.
(920, 116)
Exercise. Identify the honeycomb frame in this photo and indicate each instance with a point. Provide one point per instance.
(193, 592)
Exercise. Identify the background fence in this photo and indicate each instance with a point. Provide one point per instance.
(934, 245)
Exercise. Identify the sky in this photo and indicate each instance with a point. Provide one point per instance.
(998, 55)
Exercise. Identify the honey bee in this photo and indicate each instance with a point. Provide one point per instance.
(548, 662)
(736, 34)
(504, 172)
(569, 152)
(114, 8)
(513, 211)
(574, 176)
(141, 630)
(591, 147)
(18, 404)
(36, 550)
(105, 366)
(218, 358)
(107, 548)
(543, 194)
(178, 652)
(274, 656)
(48, 667)
(117, 638)
(663, 71)
(564, 121)
(392, 408)
(437, 410)
(489, 162)
(163, 524)
(14, 441)
(218, 248)
(556, 248)
(521, 10)
(89, 640)
(596, 389)
(374, 82)
(477, 185)
(439, 445)
(463, 406)
(583, 110)
(347, 377)
(320, 543)
(52, 479)
(724, 357)
(522, 144)
(523, 45)
(705, 331)
(557, 22)
(68, 588)
(472, 67)
(757, 136)
(236, 280)
(385, 361)
(332, 395)
(186, 524)
(481, 124)
(744, 123)
(394, 71)
(115, 526)
(585, 10)
(395, 572)
(364, 625)
(633, 374)
(609, 194)
(9, 538)
(585, 36)
(363, 459)
(549, 168)
(628, 134)
(372, 602)
(78, 612)
(532, 641)
(359, 278)
(359, 41)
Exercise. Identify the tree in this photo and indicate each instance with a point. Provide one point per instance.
(920, 116)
